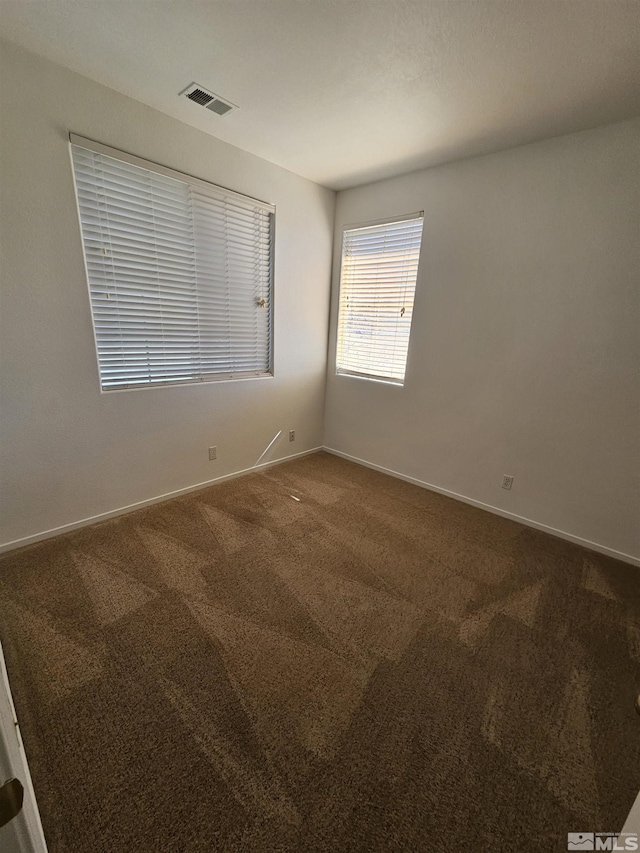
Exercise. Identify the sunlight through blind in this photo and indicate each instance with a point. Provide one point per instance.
(377, 288)
(180, 273)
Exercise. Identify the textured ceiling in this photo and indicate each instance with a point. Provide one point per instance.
(353, 91)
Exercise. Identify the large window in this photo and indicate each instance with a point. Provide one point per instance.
(377, 288)
(180, 272)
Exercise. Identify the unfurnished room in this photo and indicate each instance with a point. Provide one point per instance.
(319, 426)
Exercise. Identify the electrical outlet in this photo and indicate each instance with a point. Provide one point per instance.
(292, 435)
(213, 453)
(507, 482)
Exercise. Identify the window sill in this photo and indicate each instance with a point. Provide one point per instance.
(210, 380)
(379, 379)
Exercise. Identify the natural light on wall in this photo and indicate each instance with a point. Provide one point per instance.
(377, 288)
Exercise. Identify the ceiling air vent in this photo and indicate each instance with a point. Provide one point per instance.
(207, 99)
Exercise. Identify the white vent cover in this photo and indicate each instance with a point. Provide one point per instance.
(204, 98)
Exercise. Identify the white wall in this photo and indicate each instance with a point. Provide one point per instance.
(525, 352)
(67, 452)
(525, 347)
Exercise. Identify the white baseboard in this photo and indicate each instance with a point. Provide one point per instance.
(85, 522)
(123, 510)
(528, 522)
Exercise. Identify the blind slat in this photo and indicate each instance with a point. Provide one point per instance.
(177, 273)
(377, 288)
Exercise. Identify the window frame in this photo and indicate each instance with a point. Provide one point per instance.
(391, 220)
(207, 187)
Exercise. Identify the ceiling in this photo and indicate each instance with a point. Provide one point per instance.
(349, 91)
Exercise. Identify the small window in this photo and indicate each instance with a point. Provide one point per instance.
(377, 288)
(180, 272)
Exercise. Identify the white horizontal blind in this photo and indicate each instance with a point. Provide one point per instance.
(377, 288)
(180, 274)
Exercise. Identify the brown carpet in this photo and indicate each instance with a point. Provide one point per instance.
(372, 667)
